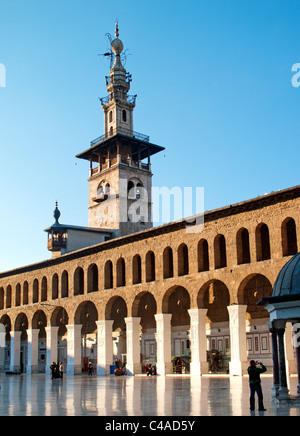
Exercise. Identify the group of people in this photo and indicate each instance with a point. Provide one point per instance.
(120, 369)
(57, 370)
(149, 369)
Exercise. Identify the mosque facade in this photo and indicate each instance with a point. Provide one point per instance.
(123, 289)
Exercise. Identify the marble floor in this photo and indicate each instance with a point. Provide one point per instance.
(174, 395)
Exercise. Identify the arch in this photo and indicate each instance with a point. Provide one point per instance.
(144, 306)
(121, 273)
(86, 315)
(183, 260)
(25, 293)
(44, 289)
(79, 281)
(220, 251)
(21, 322)
(54, 286)
(108, 275)
(136, 269)
(103, 190)
(1, 298)
(289, 237)
(251, 290)
(203, 257)
(168, 269)
(214, 296)
(93, 278)
(242, 246)
(35, 291)
(59, 317)
(8, 297)
(134, 188)
(177, 302)
(18, 295)
(39, 321)
(64, 284)
(262, 238)
(150, 266)
(6, 321)
(116, 310)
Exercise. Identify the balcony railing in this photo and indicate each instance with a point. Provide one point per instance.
(122, 131)
(107, 99)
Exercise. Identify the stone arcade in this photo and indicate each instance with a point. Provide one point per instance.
(123, 289)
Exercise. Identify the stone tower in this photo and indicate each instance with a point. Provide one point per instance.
(120, 178)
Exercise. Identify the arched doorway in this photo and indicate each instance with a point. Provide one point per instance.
(253, 288)
(5, 320)
(144, 307)
(176, 301)
(21, 325)
(116, 310)
(86, 315)
(60, 319)
(39, 322)
(214, 296)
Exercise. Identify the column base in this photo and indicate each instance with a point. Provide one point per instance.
(198, 368)
(238, 368)
(103, 370)
(72, 370)
(136, 368)
(283, 394)
(32, 369)
(164, 368)
(275, 389)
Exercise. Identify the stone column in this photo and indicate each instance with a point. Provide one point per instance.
(74, 348)
(2, 347)
(199, 364)
(237, 323)
(283, 392)
(33, 351)
(104, 346)
(15, 349)
(133, 360)
(163, 337)
(273, 332)
(51, 351)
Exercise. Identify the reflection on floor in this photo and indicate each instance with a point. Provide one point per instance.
(176, 395)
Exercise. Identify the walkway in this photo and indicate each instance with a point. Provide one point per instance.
(134, 396)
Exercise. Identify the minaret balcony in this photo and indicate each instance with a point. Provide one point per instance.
(57, 242)
(121, 131)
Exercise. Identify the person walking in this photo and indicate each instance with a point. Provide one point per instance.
(255, 384)
(91, 369)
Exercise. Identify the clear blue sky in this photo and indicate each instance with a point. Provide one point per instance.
(213, 80)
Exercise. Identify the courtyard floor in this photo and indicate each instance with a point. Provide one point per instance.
(173, 396)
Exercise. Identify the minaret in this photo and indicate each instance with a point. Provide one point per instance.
(120, 183)
(118, 106)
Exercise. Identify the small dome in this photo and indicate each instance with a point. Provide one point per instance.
(117, 46)
(288, 280)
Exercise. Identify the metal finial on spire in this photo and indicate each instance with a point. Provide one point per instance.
(56, 213)
(117, 29)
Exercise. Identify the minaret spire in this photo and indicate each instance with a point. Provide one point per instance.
(117, 29)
